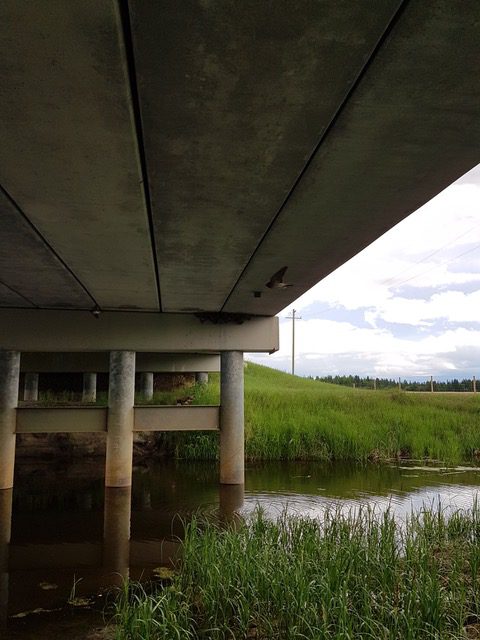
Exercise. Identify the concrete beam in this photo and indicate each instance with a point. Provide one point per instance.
(44, 362)
(151, 332)
(61, 419)
(193, 418)
(94, 419)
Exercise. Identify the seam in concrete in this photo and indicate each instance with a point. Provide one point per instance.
(363, 70)
(47, 244)
(20, 295)
(137, 115)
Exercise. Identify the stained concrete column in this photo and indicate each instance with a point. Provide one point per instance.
(30, 388)
(89, 393)
(232, 466)
(9, 376)
(121, 397)
(146, 385)
(201, 377)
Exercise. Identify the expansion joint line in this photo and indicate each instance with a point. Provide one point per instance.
(137, 115)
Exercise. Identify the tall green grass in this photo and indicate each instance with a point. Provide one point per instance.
(292, 418)
(354, 576)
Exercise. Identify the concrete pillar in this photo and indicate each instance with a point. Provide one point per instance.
(201, 377)
(89, 393)
(9, 376)
(30, 389)
(116, 533)
(232, 465)
(146, 385)
(474, 385)
(6, 496)
(121, 398)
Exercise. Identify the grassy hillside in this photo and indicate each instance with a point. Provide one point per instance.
(291, 418)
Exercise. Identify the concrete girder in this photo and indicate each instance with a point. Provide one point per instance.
(168, 333)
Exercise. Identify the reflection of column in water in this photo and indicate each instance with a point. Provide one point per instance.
(146, 499)
(231, 501)
(87, 501)
(5, 533)
(116, 532)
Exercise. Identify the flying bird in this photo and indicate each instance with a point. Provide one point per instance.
(276, 281)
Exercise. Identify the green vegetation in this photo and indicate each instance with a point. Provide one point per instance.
(292, 418)
(407, 385)
(347, 576)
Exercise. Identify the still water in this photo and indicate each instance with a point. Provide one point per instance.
(69, 537)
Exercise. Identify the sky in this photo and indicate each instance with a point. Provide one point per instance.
(408, 305)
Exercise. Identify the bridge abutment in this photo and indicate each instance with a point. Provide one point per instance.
(9, 379)
(232, 465)
(120, 421)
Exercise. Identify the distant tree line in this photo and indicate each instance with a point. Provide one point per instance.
(387, 383)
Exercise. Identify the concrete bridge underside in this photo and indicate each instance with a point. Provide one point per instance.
(161, 161)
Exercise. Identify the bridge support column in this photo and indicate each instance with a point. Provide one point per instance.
(232, 465)
(121, 398)
(9, 376)
(30, 388)
(201, 377)
(89, 393)
(146, 385)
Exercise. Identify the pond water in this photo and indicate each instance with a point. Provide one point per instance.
(70, 537)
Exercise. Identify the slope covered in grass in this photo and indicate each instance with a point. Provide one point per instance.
(292, 418)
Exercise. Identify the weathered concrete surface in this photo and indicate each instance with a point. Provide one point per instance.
(69, 154)
(9, 377)
(89, 393)
(146, 385)
(201, 377)
(120, 421)
(234, 96)
(411, 128)
(30, 387)
(232, 464)
(272, 134)
(167, 332)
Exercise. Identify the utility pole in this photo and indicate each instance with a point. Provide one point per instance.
(293, 317)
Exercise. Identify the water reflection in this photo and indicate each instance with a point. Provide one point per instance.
(116, 534)
(68, 530)
(6, 496)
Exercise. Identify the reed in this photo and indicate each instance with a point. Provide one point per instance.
(359, 575)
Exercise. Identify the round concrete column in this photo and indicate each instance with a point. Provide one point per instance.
(121, 397)
(232, 466)
(9, 376)
(30, 389)
(146, 385)
(89, 393)
(201, 377)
